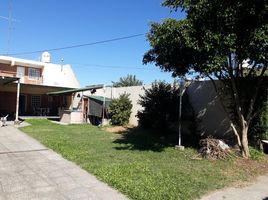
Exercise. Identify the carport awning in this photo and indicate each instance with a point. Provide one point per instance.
(6, 80)
(70, 91)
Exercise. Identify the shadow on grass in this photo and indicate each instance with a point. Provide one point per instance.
(144, 140)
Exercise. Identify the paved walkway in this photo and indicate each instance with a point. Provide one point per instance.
(28, 170)
(256, 191)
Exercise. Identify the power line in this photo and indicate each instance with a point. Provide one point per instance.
(110, 66)
(79, 45)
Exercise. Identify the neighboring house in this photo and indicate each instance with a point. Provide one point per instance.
(24, 85)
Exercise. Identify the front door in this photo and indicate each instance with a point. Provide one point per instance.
(22, 105)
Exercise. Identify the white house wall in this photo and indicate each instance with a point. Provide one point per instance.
(59, 75)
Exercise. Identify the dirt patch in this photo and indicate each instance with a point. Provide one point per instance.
(253, 167)
(117, 129)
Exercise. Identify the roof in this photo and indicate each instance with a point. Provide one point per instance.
(22, 62)
(99, 98)
(70, 91)
(5, 80)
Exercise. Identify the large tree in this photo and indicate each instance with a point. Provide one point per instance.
(129, 80)
(221, 39)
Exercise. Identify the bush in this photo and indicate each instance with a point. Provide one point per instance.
(258, 129)
(159, 106)
(255, 154)
(120, 110)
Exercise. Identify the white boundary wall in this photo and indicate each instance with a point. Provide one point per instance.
(210, 115)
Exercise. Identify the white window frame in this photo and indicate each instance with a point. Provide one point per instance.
(33, 74)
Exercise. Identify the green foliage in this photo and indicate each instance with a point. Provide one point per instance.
(120, 110)
(129, 80)
(132, 166)
(216, 39)
(160, 105)
(211, 32)
(259, 126)
(161, 109)
(256, 154)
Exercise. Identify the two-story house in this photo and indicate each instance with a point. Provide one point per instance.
(24, 85)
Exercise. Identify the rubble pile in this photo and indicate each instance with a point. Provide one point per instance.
(214, 149)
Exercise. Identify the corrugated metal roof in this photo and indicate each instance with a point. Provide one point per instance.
(76, 90)
(99, 98)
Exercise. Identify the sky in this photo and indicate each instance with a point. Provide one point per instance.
(39, 25)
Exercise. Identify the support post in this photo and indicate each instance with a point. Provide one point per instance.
(103, 121)
(17, 103)
(180, 120)
(182, 89)
(72, 102)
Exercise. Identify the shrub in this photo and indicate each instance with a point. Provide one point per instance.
(258, 129)
(120, 110)
(160, 105)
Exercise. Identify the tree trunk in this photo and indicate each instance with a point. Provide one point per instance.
(244, 140)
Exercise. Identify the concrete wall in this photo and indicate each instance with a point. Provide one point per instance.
(71, 117)
(211, 118)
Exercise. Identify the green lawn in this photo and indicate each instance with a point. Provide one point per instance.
(139, 165)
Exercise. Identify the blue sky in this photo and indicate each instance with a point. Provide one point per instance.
(50, 24)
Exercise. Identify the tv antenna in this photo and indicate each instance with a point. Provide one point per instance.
(10, 20)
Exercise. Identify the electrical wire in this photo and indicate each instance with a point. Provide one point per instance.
(79, 45)
(98, 66)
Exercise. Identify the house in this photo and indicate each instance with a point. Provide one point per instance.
(77, 109)
(25, 84)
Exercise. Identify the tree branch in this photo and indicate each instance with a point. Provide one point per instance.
(238, 106)
(250, 116)
(252, 69)
(237, 135)
(226, 109)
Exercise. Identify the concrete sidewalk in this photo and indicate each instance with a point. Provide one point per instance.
(28, 170)
(256, 191)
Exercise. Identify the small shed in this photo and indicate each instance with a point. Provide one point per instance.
(97, 108)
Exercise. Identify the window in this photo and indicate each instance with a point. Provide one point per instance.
(36, 101)
(33, 73)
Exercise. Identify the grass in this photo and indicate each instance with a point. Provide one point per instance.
(140, 165)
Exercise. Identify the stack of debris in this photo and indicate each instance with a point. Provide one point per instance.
(214, 149)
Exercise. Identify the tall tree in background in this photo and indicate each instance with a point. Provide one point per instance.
(220, 39)
(129, 80)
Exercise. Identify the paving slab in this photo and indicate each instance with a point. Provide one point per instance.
(29, 170)
(258, 190)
